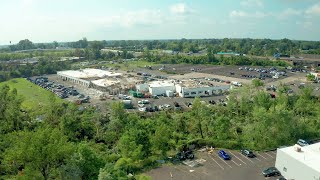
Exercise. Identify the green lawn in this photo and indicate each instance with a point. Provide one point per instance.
(35, 97)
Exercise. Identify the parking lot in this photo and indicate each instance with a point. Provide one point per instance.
(239, 167)
(172, 100)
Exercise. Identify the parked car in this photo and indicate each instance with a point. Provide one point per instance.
(185, 155)
(145, 101)
(302, 142)
(248, 153)
(281, 178)
(142, 109)
(224, 155)
(271, 171)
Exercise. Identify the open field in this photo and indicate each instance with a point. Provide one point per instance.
(34, 96)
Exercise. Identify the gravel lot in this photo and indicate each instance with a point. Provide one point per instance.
(239, 167)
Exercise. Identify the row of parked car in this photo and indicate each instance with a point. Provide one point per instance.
(58, 89)
(271, 171)
(143, 107)
(264, 73)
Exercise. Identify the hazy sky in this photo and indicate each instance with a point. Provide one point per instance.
(70, 20)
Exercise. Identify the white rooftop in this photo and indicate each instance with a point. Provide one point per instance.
(104, 82)
(89, 73)
(161, 83)
(309, 155)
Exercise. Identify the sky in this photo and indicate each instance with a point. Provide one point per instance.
(71, 20)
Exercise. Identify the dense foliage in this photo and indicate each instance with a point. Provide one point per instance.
(210, 58)
(76, 143)
(44, 66)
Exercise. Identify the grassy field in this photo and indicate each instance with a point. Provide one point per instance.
(35, 97)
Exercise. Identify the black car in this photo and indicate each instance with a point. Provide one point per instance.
(248, 153)
(185, 155)
(271, 171)
(281, 178)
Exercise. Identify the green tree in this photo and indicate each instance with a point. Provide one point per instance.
(85, 163)
(257, 83)
(40, 152)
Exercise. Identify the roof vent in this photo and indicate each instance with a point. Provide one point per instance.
(297, 148)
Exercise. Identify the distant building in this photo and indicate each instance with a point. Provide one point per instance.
(299, 163)
(86, 77)
(191, 88)
(184, 88)
(161, 87)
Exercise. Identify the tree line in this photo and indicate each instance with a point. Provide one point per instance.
(44, 66)
(257, 47)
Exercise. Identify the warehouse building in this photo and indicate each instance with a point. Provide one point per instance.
(85, 76)
(159, 88)
(193, 88)
(299, 163)
(102, 80)
(142, 87)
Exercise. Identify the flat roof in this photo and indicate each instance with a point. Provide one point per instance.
(105, 82)
(309, 155)
(161, 83)
(200, 83)
(88, 73)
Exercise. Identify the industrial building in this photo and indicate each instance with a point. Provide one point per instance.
(102, 80)
(184, 88)
(85, 76)
(192, 88)
(299, 163)
(142, 87)
(161, 87)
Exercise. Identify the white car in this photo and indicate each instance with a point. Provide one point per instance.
(236, 83)
(142, 109)
(143, 101)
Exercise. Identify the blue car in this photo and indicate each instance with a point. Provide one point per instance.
(224, 155)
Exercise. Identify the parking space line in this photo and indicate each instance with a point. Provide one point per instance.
(185, 171)
(262, 156)
(235, 162)
(268, 154)
(224, 161)
(257, 159)
(216, 162)
(246, 157)
(237, 157)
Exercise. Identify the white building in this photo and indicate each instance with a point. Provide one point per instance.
(198, 89)
(83, 76)
(299, 164)
(161, 87)
(142, 87)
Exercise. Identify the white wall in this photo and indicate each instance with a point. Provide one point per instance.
(200, 91)
(142, 87)
(161, 90)
(74, 80)
(291, 168)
